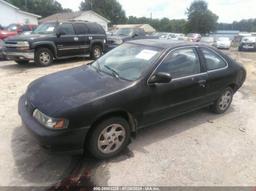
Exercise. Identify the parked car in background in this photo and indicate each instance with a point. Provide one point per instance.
(172, 36)
(208, 40)
(126, 34)
(158, 34)
(223, 43)
(1, 50)
(138, 84)
(194, 37)
(248, 43)
(55, 40)
(15, 29)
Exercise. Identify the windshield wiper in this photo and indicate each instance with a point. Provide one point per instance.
(114, 73)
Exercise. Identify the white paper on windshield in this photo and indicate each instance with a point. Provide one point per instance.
(146, 54)
(50, 29)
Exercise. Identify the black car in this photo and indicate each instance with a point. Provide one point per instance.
(248, 44)
(57, 40)
(126, 34)
(138, 84)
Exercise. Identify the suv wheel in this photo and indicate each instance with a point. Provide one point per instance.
(43, 57)
(96, 52)
(21, 62)
(223, 102)
(109, 138)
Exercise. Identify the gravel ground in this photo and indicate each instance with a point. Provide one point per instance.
(198, 149)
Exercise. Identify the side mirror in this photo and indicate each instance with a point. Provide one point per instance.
(160, 78)
(134, 35)
(60, 33)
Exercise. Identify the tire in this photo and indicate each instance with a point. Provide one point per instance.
(21, 62)
(223, 103)
(96, 52)
(105, 147)
(43, 57)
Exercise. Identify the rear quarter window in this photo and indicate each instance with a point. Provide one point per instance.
(95, 28)
(212, 60)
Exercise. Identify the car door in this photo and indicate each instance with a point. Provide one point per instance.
(82, 32)
(219, 76)
(185, 92)
(67, 42)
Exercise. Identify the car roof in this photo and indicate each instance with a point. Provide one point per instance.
(164, 44)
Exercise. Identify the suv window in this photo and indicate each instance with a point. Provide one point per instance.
(81, 28)
(67, 28)
(213, 61)
(94, 28)
(181, 63)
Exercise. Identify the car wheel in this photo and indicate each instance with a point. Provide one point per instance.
(96, 52)
(109, 138)
(44, 57)
(223, 103)
(21, 62)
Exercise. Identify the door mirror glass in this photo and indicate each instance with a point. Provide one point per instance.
(160, 78)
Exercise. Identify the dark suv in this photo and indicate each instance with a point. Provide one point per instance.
(57, 40)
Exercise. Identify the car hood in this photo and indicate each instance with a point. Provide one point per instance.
(61, 92)
(116, 37)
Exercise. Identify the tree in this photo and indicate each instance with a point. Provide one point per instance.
(110, 9)
(200, 18)
(39, 7)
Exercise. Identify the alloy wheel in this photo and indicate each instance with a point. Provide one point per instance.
(111, 138)
(225, 100)
(44, 58)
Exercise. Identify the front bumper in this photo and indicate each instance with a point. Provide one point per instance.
(19, 55)
(61, 141)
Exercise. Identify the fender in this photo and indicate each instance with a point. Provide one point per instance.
(101, 42)
(45, 43)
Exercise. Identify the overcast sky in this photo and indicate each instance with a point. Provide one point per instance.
(227, 10)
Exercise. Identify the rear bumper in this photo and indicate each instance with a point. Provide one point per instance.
(69, 141)
(19, 55)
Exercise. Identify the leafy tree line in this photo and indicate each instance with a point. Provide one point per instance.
(39, 7)
(243, 25)
(200, 18)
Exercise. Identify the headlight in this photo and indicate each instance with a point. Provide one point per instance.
(23, 45)
(50, 122)
(118, 41)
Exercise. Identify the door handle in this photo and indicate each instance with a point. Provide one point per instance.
(90, 38)
(202, 83)
(76, 38)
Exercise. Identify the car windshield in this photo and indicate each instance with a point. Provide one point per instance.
(46, 28)
(128, 61)
(12, 27)
(124, 31)
(249, 39)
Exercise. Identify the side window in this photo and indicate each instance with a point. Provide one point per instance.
(93, 28)
(213, 61)
(81, 28)
(181, 63)
(67, 29)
